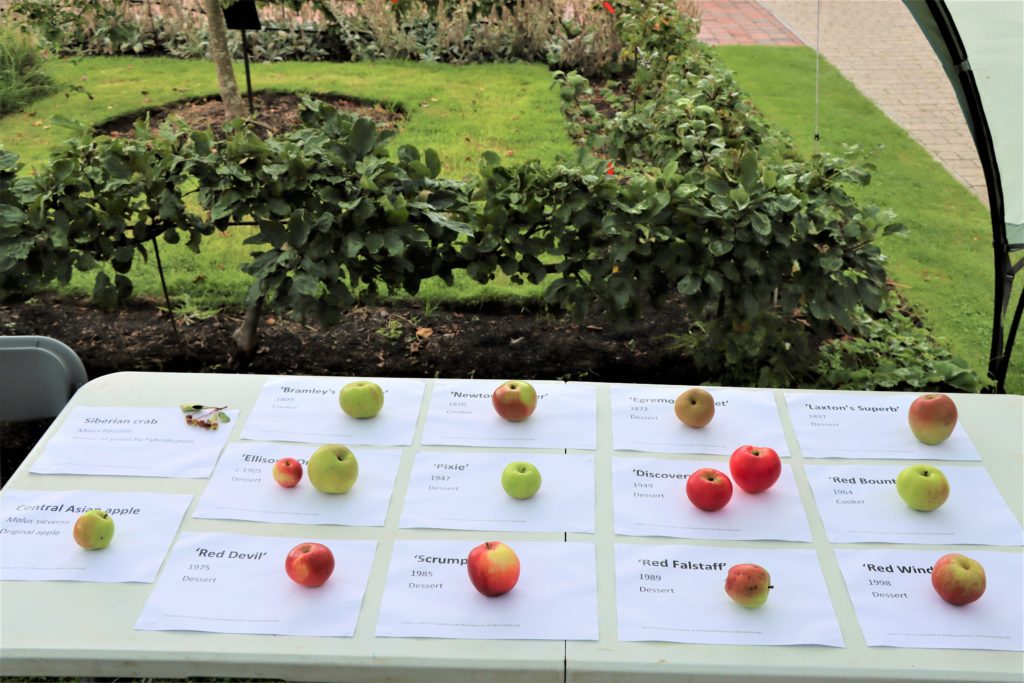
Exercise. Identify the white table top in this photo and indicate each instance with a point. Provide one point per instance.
(86, 629)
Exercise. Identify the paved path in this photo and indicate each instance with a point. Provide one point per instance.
(877, 46)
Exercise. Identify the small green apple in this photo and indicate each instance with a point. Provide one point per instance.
(361, 399)
(922, 487)
(94, 530)
(521, 480)
(332, 469)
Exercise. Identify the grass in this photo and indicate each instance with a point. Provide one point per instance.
(459, 111)
(944, 266)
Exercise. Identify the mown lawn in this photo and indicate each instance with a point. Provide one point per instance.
(944, 266)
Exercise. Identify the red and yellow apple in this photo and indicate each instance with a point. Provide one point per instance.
(493, 568)
(748, 584)
(287, 472)
(708, 489)
(755, 468)
(958, 579)
(94, 530)
(932, 418)
(514, 400)
(309, 564)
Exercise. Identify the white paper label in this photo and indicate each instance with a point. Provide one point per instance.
(37, 541)
(860, 504)
(243, 487)
(644, 419)
(429, 594)
(677, 593)
(897, 606)
(862, 425)
(461, 414)
(133, 442)
(649, 497)
(229, 583)
(464, 491)
(306, 409)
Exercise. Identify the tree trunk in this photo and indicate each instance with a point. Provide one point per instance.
(221, 56)
(245, 336)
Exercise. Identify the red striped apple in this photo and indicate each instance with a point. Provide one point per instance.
(309, 564)
(958, 579)
(287, 472)
(932, 418)
(514, 400)
(493, 568)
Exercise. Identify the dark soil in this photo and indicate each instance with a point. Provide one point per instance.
(399, 340)
(386, 341)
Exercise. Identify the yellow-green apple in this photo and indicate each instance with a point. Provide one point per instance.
(708, 489)
(309, 564)
(514, 400)
(521, 480)
(755, 468)
(932, 418)
(333, 468)
(287, 472)
(361, 399)
(922, 487)
(695, 407)
(493, 568)
(94, 530)
(748, 584)
(958, 579)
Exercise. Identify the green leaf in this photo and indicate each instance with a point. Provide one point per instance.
(223, 417)
(433, 162)
(362, 137)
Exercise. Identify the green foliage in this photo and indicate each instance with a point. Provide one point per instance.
(22, 79)
(334, 212)
(99, 201)
(892, 353)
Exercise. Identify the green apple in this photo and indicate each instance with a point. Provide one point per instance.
(922, 487)
(332, 469)
(361, 399)
(94, 530)
(520, 480)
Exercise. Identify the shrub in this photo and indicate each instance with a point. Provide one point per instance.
(22, 79)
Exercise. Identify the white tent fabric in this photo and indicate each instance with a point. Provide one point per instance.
(980, 44)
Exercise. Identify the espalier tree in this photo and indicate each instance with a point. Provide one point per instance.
(771, 253)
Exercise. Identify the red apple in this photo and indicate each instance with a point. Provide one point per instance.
(932, 418)
(748, 584)
(708, 489)
(493, 568)
(309, 564)
(514, 400)
(958, 579)
(287, 472)
(755, 468)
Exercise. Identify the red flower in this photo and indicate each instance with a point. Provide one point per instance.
(608, 6)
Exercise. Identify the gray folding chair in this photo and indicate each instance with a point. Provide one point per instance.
(38, 376)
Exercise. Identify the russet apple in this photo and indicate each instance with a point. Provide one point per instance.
(287, 472)
(922, 487)
(695, 407)
(493, 568)
(748, 584)
(309, 564)
(514, 400)
(94, 530)
(958, 579)
(755, 468)
(521, 480)
(333, 468)
(361, 399)
(708, 489)
(932, 418)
